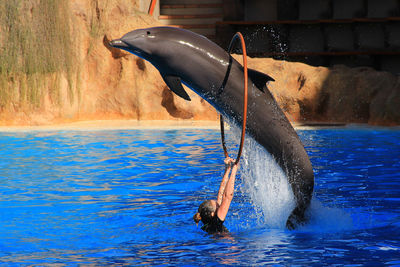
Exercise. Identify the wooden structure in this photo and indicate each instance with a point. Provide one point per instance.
(316, 32)
(199, 16)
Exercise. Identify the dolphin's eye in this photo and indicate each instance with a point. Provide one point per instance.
(149, 35)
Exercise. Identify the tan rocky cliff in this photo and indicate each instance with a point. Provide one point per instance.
(111, 84)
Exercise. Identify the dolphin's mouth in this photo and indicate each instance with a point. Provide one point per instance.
(118, 43)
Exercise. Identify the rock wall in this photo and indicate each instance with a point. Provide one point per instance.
(339, 94)
(107, 83)
(111, 84)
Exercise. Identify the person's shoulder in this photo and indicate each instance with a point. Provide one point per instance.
(217, 220)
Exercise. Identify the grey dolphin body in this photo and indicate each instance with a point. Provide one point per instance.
(183, 56)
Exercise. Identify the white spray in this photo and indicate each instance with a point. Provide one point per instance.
(263, 182)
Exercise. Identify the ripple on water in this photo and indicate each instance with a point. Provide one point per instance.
(127, 197)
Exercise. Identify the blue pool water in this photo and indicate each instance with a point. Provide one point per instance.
(128, 197)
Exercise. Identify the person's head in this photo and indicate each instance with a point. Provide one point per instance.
(206, 211)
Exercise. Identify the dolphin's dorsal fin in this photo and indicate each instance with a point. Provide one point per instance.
(259, 79)
(174, 83)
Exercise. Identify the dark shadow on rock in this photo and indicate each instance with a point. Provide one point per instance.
(356, 95)
(140, 64)
(168, 103)
(115, 52)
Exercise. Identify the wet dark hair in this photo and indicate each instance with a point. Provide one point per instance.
(204, 212)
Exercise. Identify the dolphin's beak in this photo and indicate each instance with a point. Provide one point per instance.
(117, 43)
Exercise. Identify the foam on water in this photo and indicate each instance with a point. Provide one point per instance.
(324, 219)
(264, 182)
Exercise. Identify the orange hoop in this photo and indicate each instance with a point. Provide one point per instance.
(234, 38)
(152, 6)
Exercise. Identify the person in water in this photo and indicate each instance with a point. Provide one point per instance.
(213, 212)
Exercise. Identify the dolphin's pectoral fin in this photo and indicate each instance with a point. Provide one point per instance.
(174, 83)
(259, 79)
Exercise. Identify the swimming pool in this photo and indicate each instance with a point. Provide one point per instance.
(128, 196)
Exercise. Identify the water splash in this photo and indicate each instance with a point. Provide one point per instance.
(263, 182)
(264, 186)
(277, 40)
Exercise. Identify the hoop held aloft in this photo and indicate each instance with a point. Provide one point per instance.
(243, 44)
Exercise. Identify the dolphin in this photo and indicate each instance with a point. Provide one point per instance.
(182, 56)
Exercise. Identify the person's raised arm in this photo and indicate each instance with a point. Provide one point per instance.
(228, 164)
(228, 194)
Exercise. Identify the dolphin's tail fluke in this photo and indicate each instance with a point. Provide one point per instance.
(296, 218)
